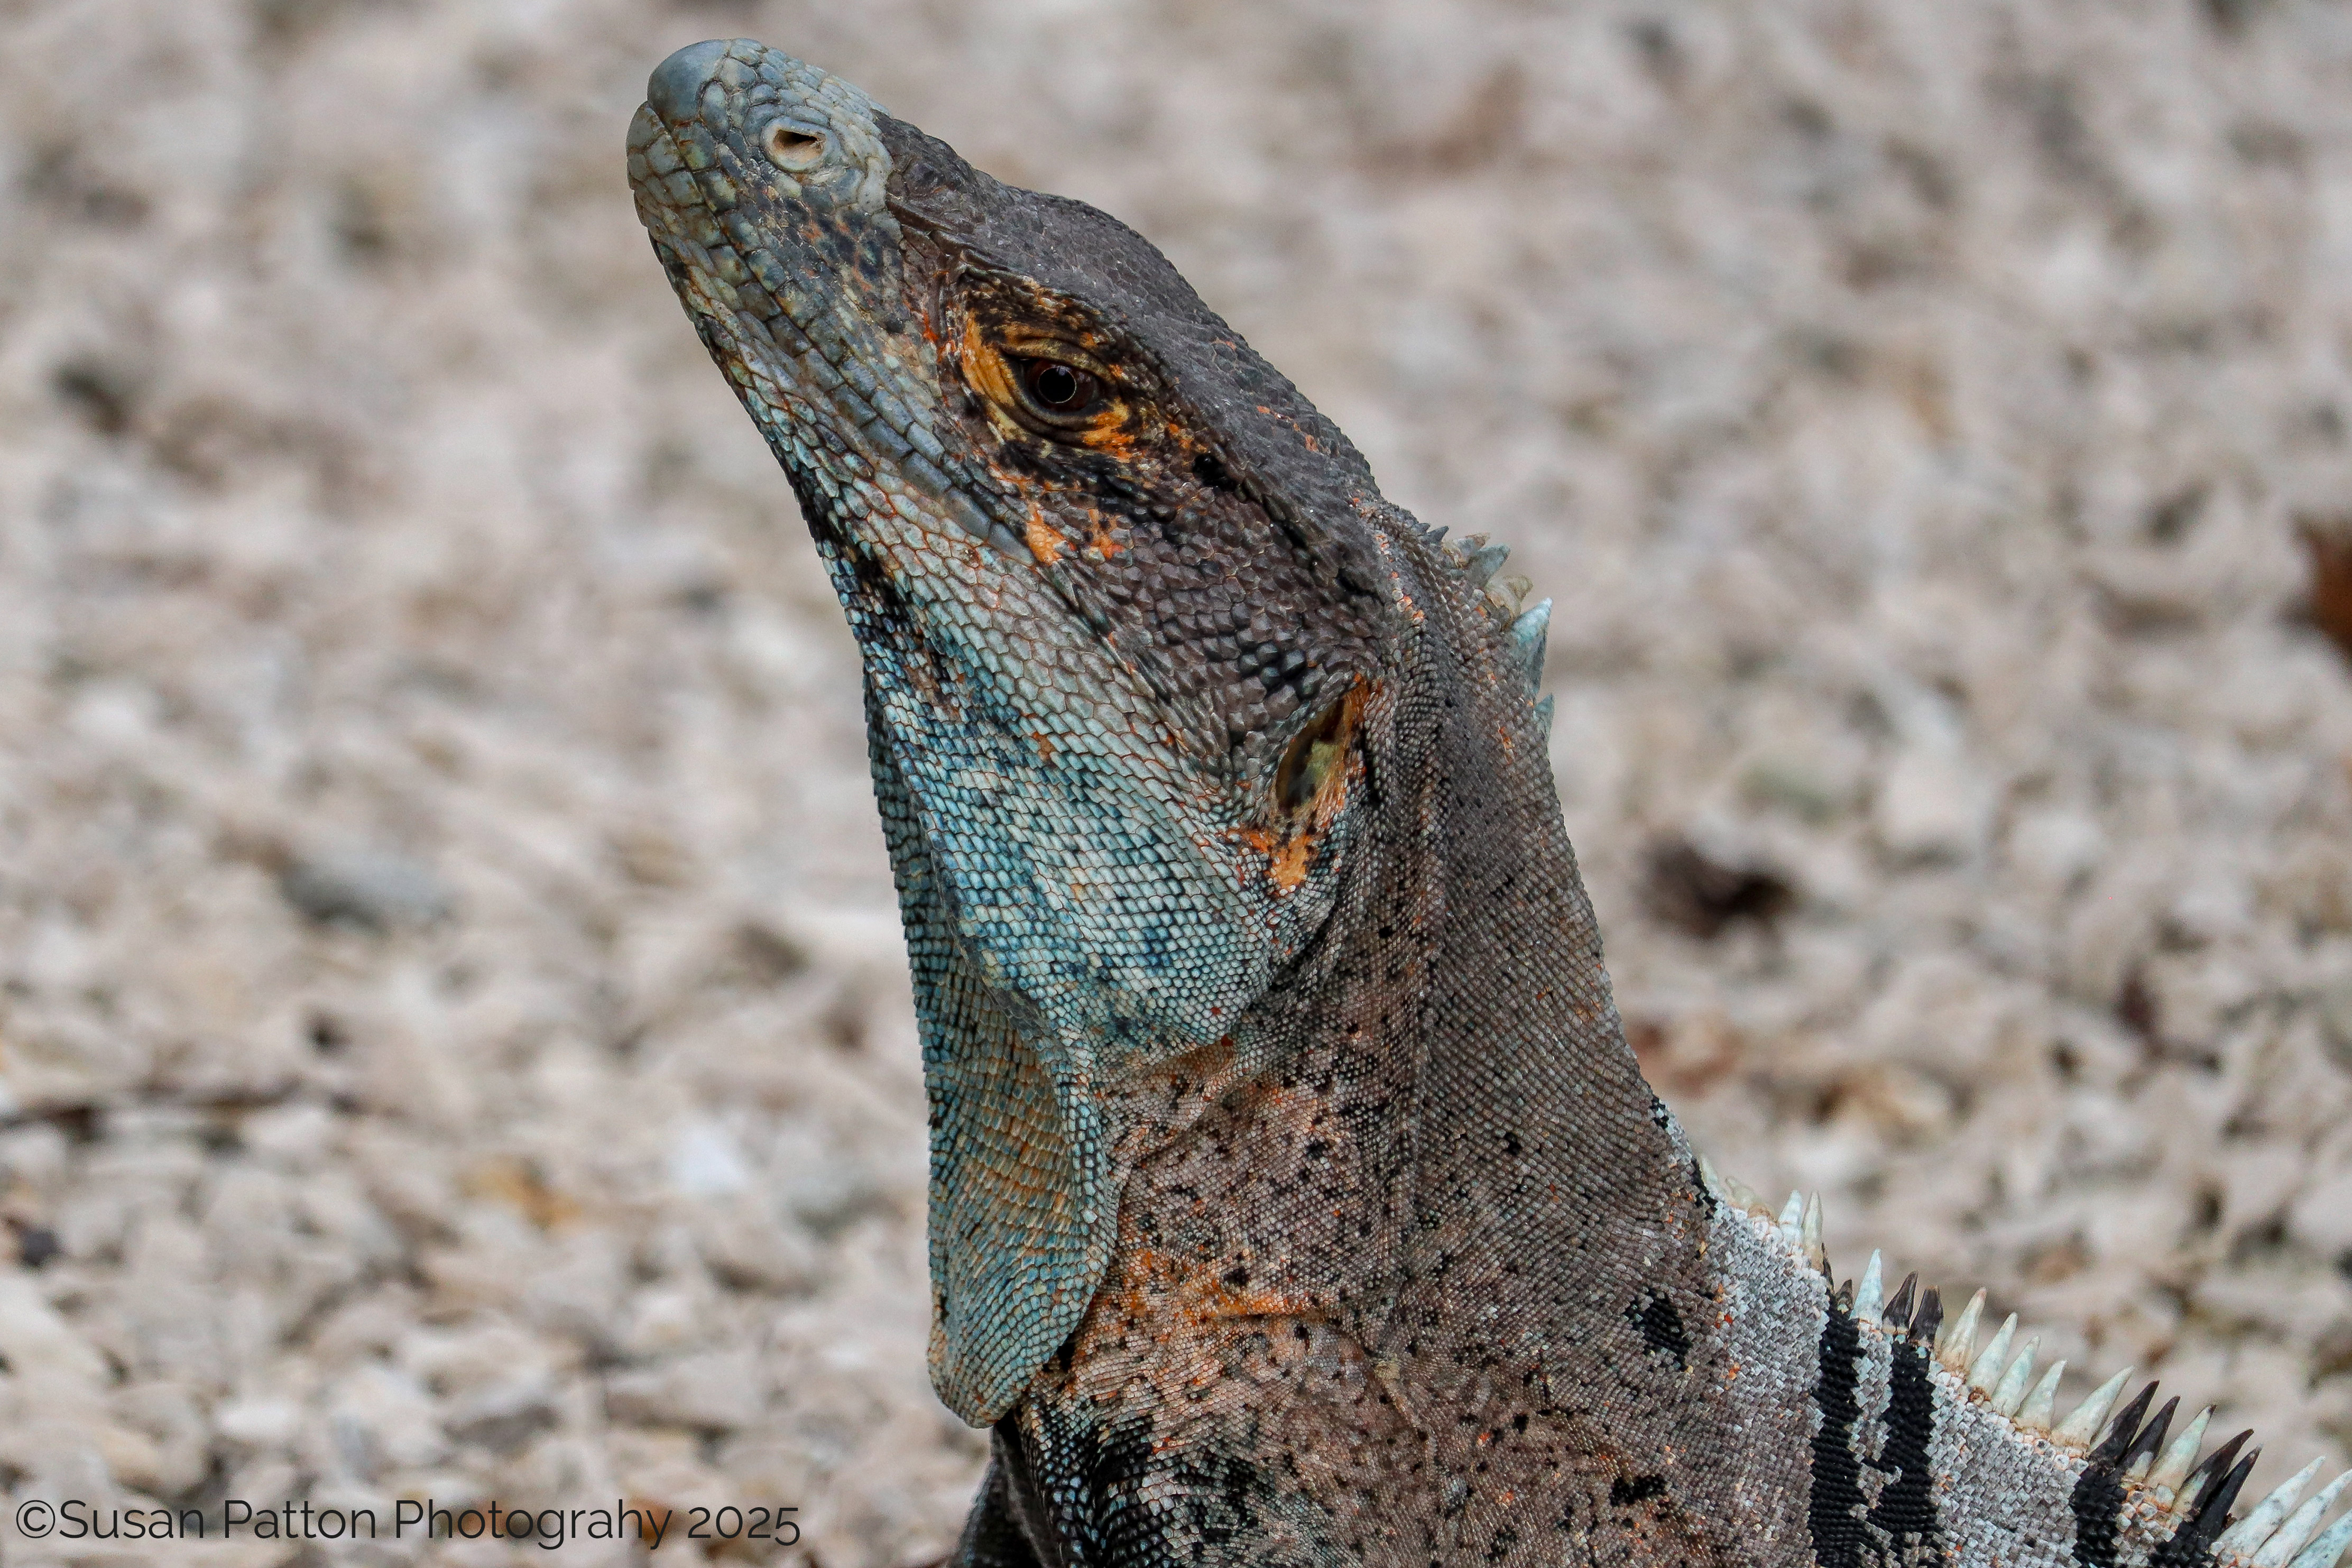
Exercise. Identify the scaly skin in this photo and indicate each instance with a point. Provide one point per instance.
(1294, 1198)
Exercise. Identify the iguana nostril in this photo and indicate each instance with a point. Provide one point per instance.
(791, 149)
(675, 90)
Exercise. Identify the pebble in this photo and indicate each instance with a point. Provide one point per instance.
(369, 888)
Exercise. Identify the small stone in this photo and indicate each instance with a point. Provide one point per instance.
(367, 888)
(1794, 786)
(36, 1245)
(666, 1317)
(2056, 846)
(1930, 807)
(38, 1345)
(382, 1418)
(750, 1246)
(167, 1412)
(2334, 1002)
(505, 1415)
(259, 1423)
(719, 1391)
(706, 1163)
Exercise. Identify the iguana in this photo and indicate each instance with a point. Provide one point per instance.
(1294, 1198)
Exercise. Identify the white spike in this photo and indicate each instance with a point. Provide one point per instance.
(2010, 1392)
(1747, 1197)
(1708, 1174)
(1955, 1344)
(2082, 1428)
(1985, 1366)
(1792, 1220)
(1815, 1253)
(1871, 1294)
(2255, 1528)
(2034, 1416)
(2299, 1526)
(2173, 1465)
(2324, 1551)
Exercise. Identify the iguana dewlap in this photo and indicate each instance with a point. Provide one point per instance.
(1295, 1198)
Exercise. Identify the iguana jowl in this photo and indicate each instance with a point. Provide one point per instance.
(1295, 1198)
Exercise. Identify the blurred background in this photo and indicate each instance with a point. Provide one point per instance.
(453, 1037)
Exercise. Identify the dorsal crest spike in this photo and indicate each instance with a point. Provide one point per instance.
(2009, 1394)
(2035, 1412)
(1957, 1341)
(2148, 1440)
(2077, 1430)
(2210, 1513)
(2248, 1534)
(1928, 1321)
(2173, 1467)
(1746, 1197)
(2125, 1427)
(2213, 1502)
(1870, 1290)
(1528, 634)
(2325, 1552)
(1898, 1311)
(2300, 1525)
(2214, 1466)
(1985, 1366)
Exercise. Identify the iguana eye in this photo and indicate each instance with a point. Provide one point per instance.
(1058, 388)
(1046, 382)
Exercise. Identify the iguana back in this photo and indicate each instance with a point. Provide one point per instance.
(1295, 1196)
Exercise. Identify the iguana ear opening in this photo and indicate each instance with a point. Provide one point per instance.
(1316, 754)
(1310, 789)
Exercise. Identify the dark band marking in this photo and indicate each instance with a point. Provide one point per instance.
(2097, 1502)
(1906, 1508)
(1836, 1512)
(1661, 1327)
(2189, 1547)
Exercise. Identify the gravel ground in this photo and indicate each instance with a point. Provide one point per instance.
(454, 1037)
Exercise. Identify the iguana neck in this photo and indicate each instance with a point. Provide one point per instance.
(1450, 1037)
(1529, 1120)
(1433, 1120)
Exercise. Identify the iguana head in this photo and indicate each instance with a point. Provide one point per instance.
(1136, 624)
(1080, 529)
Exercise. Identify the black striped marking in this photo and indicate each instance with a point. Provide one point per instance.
(2097, 1502)
(2191, 1546)
(1902, 1528)
(1906, 1508)
(1836, 1513)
